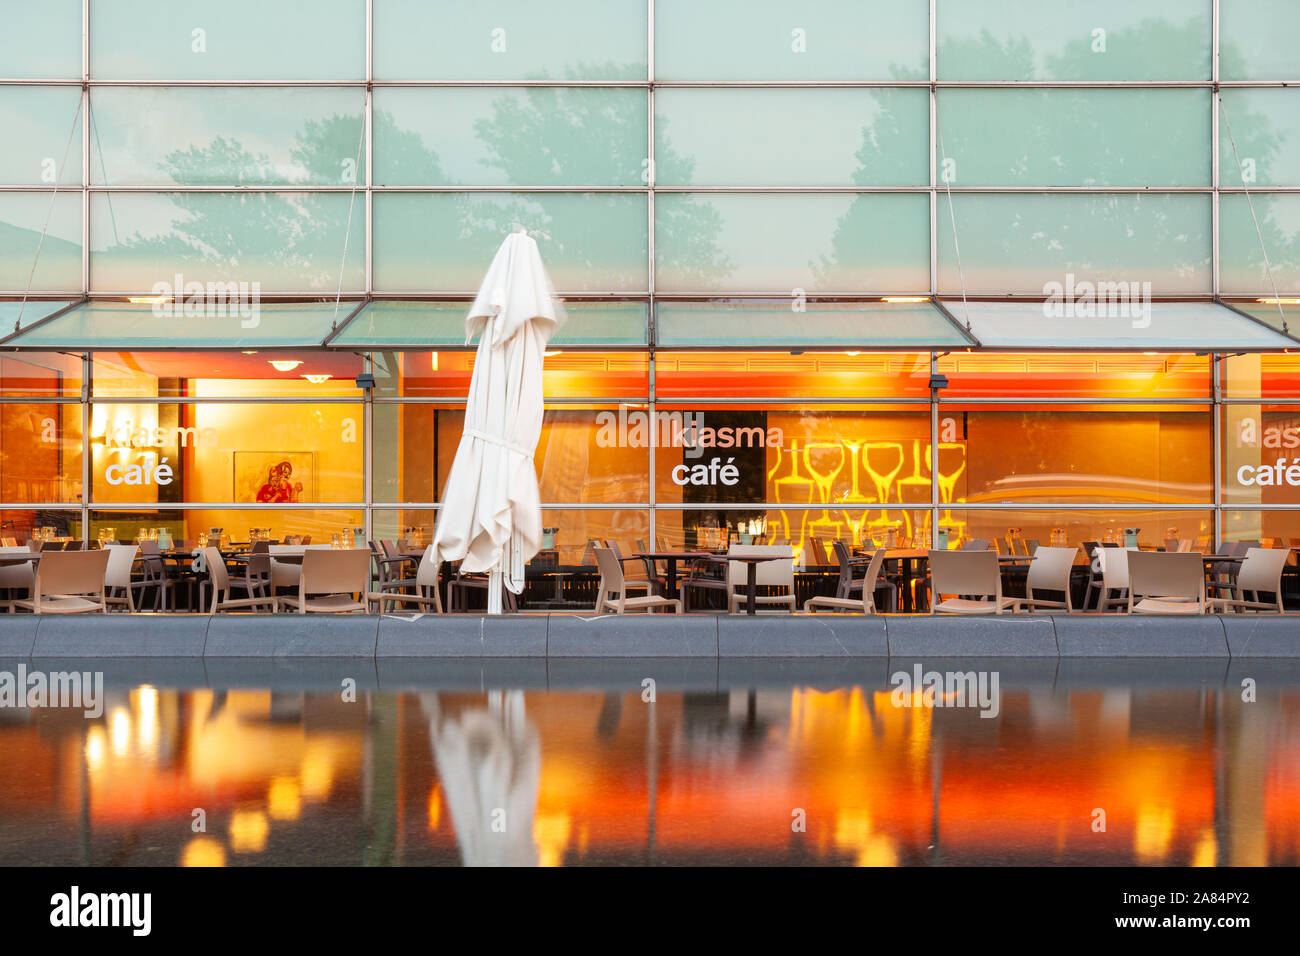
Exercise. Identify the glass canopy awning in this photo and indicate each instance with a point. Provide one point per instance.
(396, 325)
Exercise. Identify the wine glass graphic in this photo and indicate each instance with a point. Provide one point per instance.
(915, 488)
(876, 462)
(824, 461)
(951, 465)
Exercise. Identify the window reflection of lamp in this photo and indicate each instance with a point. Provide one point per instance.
(285, 365)
(433, 361)
(318, 379)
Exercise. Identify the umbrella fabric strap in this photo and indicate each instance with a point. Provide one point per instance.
(497, 440)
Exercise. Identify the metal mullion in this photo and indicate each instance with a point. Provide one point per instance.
(1216, 391)
(932, 192)
(1214, 161)
(87, 370)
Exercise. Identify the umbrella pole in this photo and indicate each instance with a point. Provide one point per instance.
(494, 591)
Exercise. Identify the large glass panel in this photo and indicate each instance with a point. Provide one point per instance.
(1154, 527)
(20, 523)
(1261, 376)
(1129, 454)
(1241, 262)
(447, 374)
(246, 374)
(444, 242)
(206, 136)
(1132, 137)
(791, 137)
(1075, 375)
(238, 40)
(1266, 127)
(286, 242)
(40, 451)
(42, 374)
(1255, 40)
(1063, 40)
(412, 324)
(504, 136)
(215, 317)
(784, 375)
(771, 40)
(226, 452)
(1022, 242)
(40, 133)
(186, 525)
(23, 313)
(834, 243)
(41, 41)
(583, 456)
(794, 322)
(22, 216)
(1261, 454)
(510, 40)
(1266, 529)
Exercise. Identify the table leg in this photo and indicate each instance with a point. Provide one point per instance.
(752, 586)
(671, 572)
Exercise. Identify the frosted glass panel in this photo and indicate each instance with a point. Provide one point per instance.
(510, 40)
(1068, 40)
(775, 40)
(38, 122)
(1257, 39)
(1241, 264)
(41, 40)
(1266, 125)
(444, 242)
(1017, 243)
(230, 40)
(21, 217)
(1069, 137)
(779, 243)
(288, 242)
(162, 136)
(534, 136)
(791, 137)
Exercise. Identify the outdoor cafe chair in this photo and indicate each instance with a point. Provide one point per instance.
(1111, 576)
(973, 577)
(648, 580)
(221, 584)
(333, 577)
(975, 544)
(865, 585)
(848, 585)
(702, 575)
(68, 582)
(776, 575)
(16, 578)
(256, 579)
(1049, 570)
(1160, 582)
(421, 590)
(117, 577)
(388, 569)
(1261, 570)
(613, 590)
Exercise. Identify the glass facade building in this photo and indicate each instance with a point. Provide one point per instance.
(934, 269)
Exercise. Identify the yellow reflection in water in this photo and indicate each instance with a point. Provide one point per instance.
(203, 851)
(435, 806)
(1152, 833)
(96, 744)
(119, 723)
(146, 709)
(284, 799)
(1207, 850)
(248, 831)
(551, 832)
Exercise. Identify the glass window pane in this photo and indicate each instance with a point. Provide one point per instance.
(43, 374)
(24, 313)
(21, 523)
(186, 524)
(1019, 243)
(444, 242)
(575, 528)
(502, 136)
(239, 40)
(510, 40)
(245, 374)
(1154, 526)
(41, 41)
(1241, 263)
(1261, 376)
(447, 374)
(1137, 454)
(780, 374)
(771, 40)
(22, 215)
(40, 452)
(834, 243)
(1267, 529)
(1261, 454)
(286, 242)
(412, 324)
(791, 137)
(789, 323)
(205, 136)
(1265, 123)
(1133, 137)
(40, 133)
(1060, 40)
(1256, 40)
(226, 452)
(809, 531)
(1075, 375)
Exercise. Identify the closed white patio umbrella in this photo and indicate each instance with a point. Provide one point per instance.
(491, 517)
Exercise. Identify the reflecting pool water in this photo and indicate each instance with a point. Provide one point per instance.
(872, 763)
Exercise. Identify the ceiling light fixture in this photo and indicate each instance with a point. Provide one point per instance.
(906, 298)
(318, 378)
(285, 365)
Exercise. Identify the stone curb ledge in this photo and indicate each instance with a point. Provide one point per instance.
(710, 637)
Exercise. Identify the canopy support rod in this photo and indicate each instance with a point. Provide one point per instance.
(952, 215)
(352, 202)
